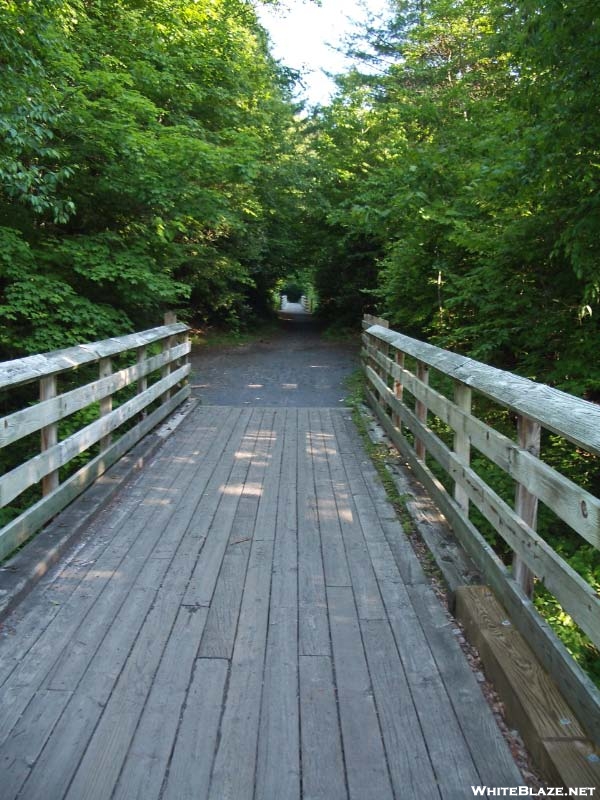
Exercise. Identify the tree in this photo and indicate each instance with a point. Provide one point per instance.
(140, 150)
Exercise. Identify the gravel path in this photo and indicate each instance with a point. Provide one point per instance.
(294, 366)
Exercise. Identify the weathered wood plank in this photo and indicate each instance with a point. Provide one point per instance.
(132, 728)
(48, 433)
(148, 756)
(433, 528)
(462, 442)
(370, 320)
(93, 561)
(85, 620)
(408, 757)
(577, 507)
(573, 592)
(32, 471)
(28, 420)
(278, 765)
(163, 529)
(216, 527)
(106, 403)
(190, 768)
(323, 772)
(490, 752)
(33, 368)
(313, 622)
(575, 419)
(125, 689)
(284, 583)
(332, 543)
(526, 503)
(366, 764)
(476, 722)
(268, 491)
(219, 633)
(97, 772)
(363, 581)
(45, 779)
(235, 760)
(448, 750)
(20, 752)
(268, 453)
(26, 524)
(433, 707)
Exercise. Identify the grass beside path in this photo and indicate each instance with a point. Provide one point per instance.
(213, 337)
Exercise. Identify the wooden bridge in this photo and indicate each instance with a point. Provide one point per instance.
(247, 619)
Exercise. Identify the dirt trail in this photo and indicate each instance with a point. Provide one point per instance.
(294, 366)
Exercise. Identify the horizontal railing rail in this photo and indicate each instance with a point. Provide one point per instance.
(413, 412)
(154, 364)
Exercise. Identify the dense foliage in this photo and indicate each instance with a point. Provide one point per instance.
(143, 152)
(462, 180)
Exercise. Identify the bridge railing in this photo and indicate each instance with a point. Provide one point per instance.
(117, 390)
(436, 430)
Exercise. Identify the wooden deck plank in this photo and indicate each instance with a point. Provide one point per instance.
(139, 569)
(366, 763)
(488, 749)
(219, 633)
(269, 490)
(99, 768)
(323, 772)
(408, 757)
(284, 582)
(235, 760)
(275, 638)
(24, 747)
(278, 764)
(76, 588)
(188, 777)
(332, 543)
(113, 646)
(105, 710)
(150, 750)
(313, 631)
(449, 752)
(364, 583)
(218, 520)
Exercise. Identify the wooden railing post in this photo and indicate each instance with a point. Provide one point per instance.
(421, 409)
(168, 343)
(142, 383)
(49, 434)
(462, 443)
(106, 404)
(398, 389)
(526, 504)
(384, 349)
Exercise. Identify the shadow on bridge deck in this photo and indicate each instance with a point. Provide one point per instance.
(248, 620)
